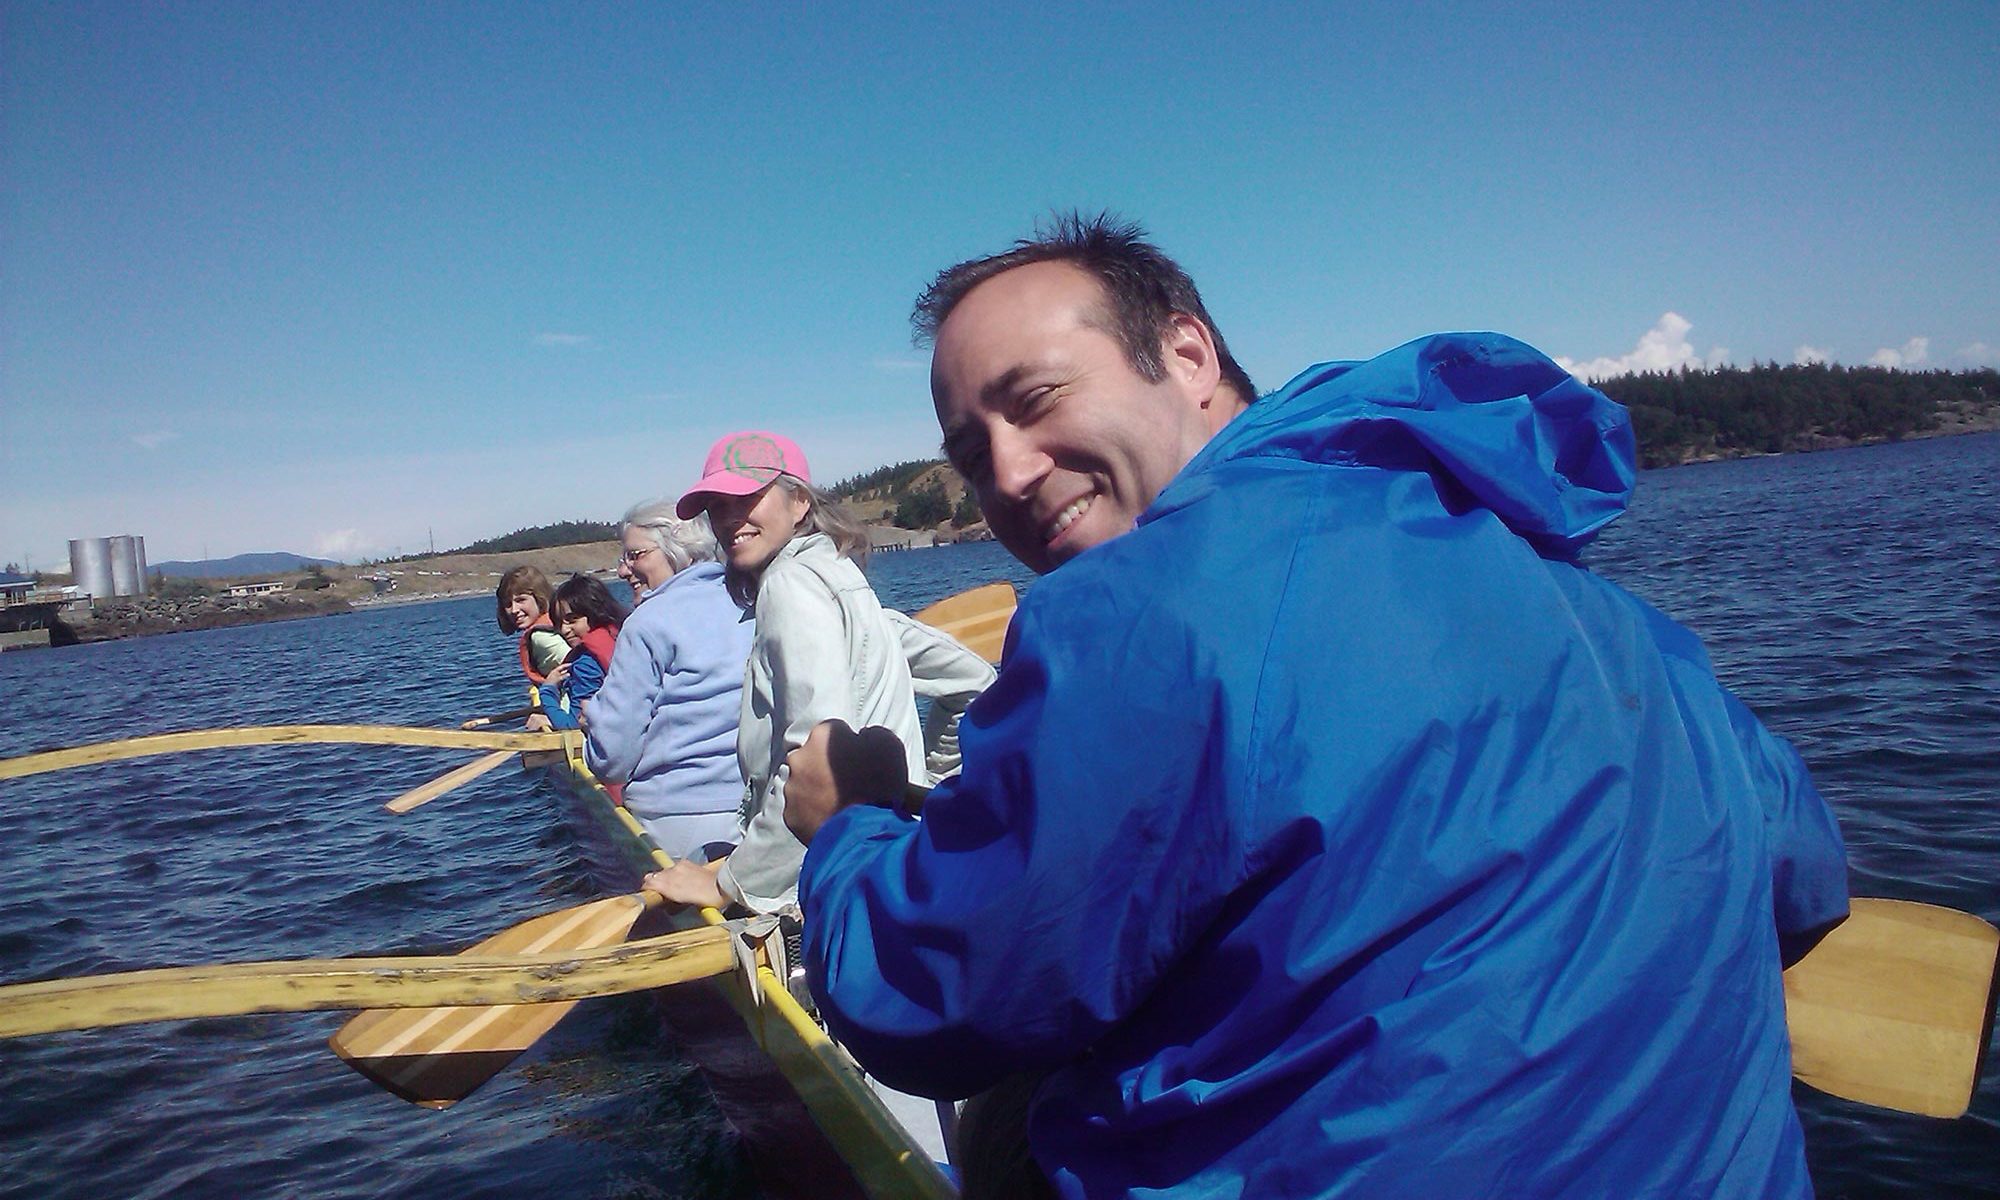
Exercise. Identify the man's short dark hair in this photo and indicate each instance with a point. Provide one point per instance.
(1144, 288)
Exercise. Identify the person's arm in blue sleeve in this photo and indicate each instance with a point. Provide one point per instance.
(1808, 860)
(623, 706)
(1047, 887)
(585, 678)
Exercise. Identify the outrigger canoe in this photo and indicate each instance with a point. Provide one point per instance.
(1894, 1008)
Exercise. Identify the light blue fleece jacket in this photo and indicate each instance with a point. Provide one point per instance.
(664, 723)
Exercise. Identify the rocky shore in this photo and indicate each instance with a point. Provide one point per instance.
(137, 617)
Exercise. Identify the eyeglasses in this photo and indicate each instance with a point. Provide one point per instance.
(632, 556)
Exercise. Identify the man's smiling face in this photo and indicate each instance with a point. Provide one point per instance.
(1063, 440)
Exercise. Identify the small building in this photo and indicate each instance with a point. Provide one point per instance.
(14, 587)
(261, 588)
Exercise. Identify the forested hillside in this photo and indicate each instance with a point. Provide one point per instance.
(1768, 409)
(561, 533)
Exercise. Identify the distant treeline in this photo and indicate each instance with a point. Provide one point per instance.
(562, 533)
(1769, 409)
(883, 479)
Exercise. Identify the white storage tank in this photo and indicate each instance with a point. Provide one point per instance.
(126, 577)
(90, 566)
(109, 566)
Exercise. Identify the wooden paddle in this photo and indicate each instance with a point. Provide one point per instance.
(1895, 1007)
(438, 1056)
(269, 735)
(425, 793)
(530, 979)
(978, 617)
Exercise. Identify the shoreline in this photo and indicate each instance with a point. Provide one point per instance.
(1959, 424)
(354, 588)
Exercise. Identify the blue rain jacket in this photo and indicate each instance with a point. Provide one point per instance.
(1334, 833)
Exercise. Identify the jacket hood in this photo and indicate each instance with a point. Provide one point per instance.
(1493, 421)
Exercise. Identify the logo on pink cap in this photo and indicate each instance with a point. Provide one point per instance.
(742, 463)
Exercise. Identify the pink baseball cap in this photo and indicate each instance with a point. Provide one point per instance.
(742, 463)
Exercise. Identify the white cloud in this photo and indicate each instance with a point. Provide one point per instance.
(1979, 354)
(1809, 356)
(155, 439)
(1912, 353)
(1664, 347)
(345, 545)
(904, 363)
(563, 339)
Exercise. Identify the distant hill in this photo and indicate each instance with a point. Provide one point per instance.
(923, 494)
(560, 533)
(273, 563)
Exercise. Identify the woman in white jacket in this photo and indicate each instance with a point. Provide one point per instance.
(823, 649)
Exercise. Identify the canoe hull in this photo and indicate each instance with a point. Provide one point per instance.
(883, 1157)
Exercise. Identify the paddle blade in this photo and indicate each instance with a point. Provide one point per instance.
(977, 617)
(1895, 1007)
(438, 1056)
(425, 793)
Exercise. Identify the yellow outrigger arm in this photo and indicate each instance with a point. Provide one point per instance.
(270, 735)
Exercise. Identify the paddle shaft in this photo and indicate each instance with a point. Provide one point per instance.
(425, 793)
(510, 715)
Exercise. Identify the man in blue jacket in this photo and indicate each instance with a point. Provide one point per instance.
(1330, 831)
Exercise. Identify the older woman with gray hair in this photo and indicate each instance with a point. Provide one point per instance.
(664, 723)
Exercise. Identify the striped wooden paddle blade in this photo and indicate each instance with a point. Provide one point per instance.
(978, 617)
(1895, 1007)
(438, 1056)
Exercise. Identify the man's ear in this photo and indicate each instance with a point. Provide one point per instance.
(1188, 352)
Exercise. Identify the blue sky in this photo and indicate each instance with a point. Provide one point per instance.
(345, 278)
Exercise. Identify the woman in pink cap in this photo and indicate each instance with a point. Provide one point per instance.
(824, 649)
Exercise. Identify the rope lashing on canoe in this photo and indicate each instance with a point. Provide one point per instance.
(753, 944)
(752, 936)
(748, 935)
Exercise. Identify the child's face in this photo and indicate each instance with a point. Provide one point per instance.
(524, 608)
(570, 625)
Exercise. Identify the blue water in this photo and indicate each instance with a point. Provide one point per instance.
(1852, 597)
